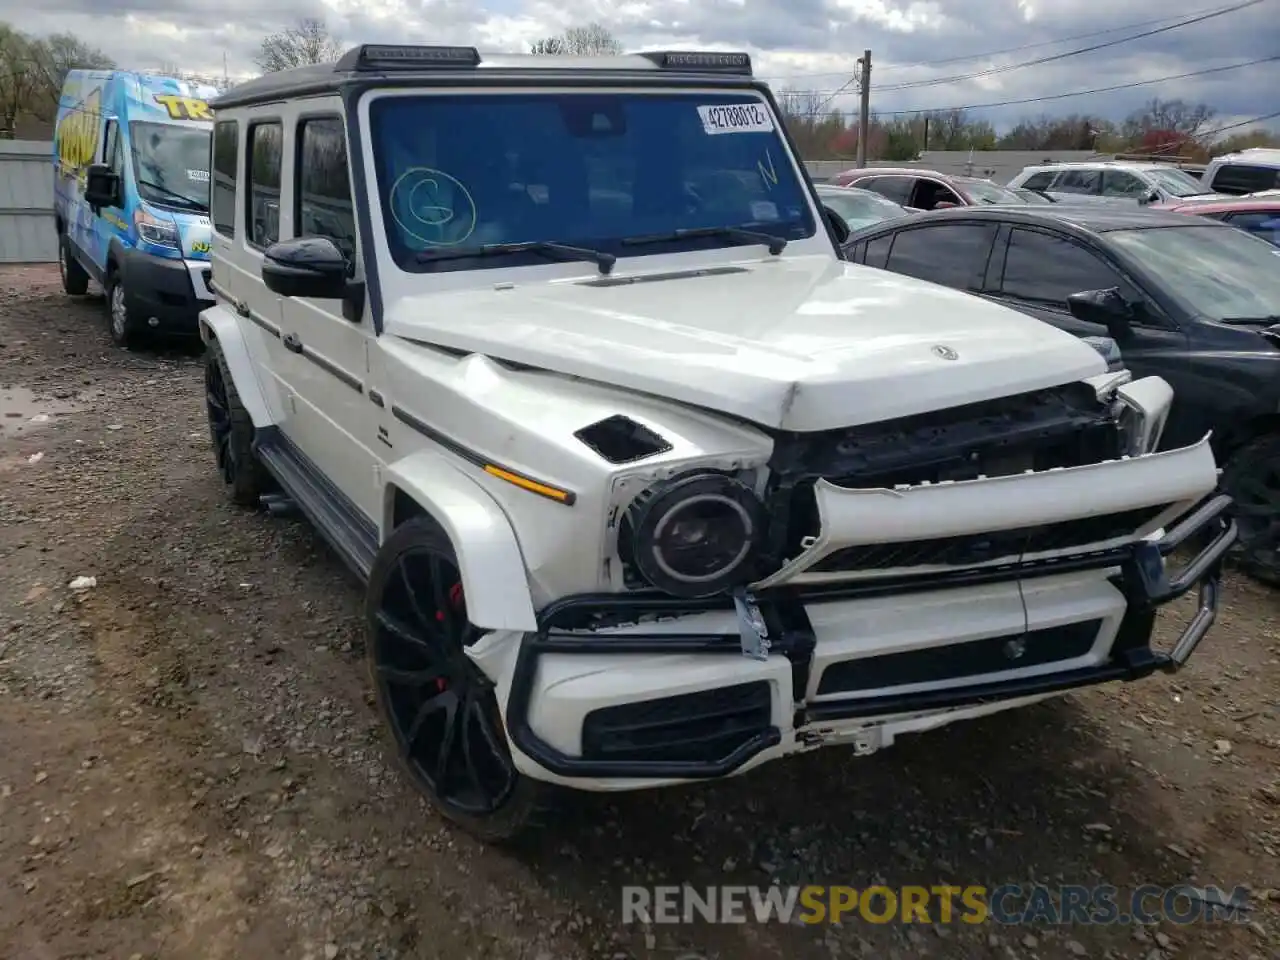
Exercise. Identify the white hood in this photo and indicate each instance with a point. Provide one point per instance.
(793, 343)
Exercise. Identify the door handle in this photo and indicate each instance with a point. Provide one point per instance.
(292, 343)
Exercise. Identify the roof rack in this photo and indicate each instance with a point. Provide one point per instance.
(382, 56)
(701, 61)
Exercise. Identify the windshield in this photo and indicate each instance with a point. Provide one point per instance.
(860, 208)
(171, 164)
(983, 191)
(1176, 182)
(583, 169)
(1222, 274)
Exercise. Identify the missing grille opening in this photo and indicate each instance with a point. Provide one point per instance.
(620, 439)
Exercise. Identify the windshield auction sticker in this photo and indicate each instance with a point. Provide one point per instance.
(736, 118)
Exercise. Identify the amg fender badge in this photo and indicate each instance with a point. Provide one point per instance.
(945, 352)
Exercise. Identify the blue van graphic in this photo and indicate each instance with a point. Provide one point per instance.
(131, 197)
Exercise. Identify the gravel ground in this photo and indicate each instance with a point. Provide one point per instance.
(190, 765)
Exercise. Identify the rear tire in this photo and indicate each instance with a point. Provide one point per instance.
(1252, 478)
(231, 430)
(75, 279)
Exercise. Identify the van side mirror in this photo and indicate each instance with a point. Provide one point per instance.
(1107, 308)
(838, 225)
(313, 267)
(102, 187)
(1152, 197)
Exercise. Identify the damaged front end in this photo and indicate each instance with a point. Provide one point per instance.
(896, 575)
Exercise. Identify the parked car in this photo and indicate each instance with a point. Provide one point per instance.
(131, 198)
(1244, 172)
(859, 208)
(1259, 215)
(640, 495)
(928, 189)
(1110, 182)
(1190, 300)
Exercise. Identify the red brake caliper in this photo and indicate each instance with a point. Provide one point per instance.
(455, 599)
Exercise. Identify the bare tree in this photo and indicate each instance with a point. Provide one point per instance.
(589, 41)
(32, 71)
(308, 42)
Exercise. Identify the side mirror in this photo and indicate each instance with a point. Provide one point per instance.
(101, 187)
(1152, 197)
(312, 267)
(1107, 307)
(838, 225)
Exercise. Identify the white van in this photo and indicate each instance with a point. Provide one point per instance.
(1247, 171)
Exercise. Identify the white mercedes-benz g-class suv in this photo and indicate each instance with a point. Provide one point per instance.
(645, 483)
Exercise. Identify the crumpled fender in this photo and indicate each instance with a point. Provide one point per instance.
(494, 578)
(218, 322)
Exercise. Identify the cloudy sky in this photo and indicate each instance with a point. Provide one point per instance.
(799, 44)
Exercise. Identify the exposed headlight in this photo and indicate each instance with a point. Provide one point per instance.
(1109, 349)
(1143, 410)
(155, 230)
(695, 535)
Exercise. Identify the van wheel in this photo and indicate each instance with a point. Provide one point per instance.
(75, 280)
(231, 430)
(441, 709)
(122, 326)
(1252, 478)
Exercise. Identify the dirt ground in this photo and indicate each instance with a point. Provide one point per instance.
(190, 765)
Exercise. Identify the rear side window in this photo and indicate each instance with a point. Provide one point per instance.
(1039, 181)
(323, 190)
(897, 189)
(1080, 181)
(952, 254)
(1240, 178)
(878, 251)
(266, 155)
(222, 202)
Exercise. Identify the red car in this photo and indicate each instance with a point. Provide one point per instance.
(928, 189)
(1259, 215)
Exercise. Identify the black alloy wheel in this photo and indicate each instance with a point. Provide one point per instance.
(231, 431)
(441, 709)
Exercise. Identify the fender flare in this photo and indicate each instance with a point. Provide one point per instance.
(494, 578)
(218, 323)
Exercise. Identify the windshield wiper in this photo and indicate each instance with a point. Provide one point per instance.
(604, 261)
(775, 244)
(195, 204)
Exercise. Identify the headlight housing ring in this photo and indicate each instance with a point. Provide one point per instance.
(697, 534)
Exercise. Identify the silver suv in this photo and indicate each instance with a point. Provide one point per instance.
(1106, 181)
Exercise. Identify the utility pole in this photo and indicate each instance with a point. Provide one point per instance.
(864, 111)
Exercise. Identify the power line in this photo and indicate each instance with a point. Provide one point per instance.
(995, 53)
(1080, 93)
(1071, 53)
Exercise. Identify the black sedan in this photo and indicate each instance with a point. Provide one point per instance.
(1192, 301)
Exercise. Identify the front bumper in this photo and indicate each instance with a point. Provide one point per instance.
(676, 699)
(165, 295)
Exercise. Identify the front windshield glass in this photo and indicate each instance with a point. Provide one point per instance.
(860, 208)
(171, 164)
(1221, 273)
(589, 170)
(1176, 182)
(984, 191)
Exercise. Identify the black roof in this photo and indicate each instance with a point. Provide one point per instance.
(1095, 218)
(371, 63)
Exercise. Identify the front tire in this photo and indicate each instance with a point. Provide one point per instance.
(121, 324)
(75, 280)
(1252, 478)
(440, 708)
(231, 430)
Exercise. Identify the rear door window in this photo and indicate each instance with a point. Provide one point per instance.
(952, 254)
(1080, 181)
